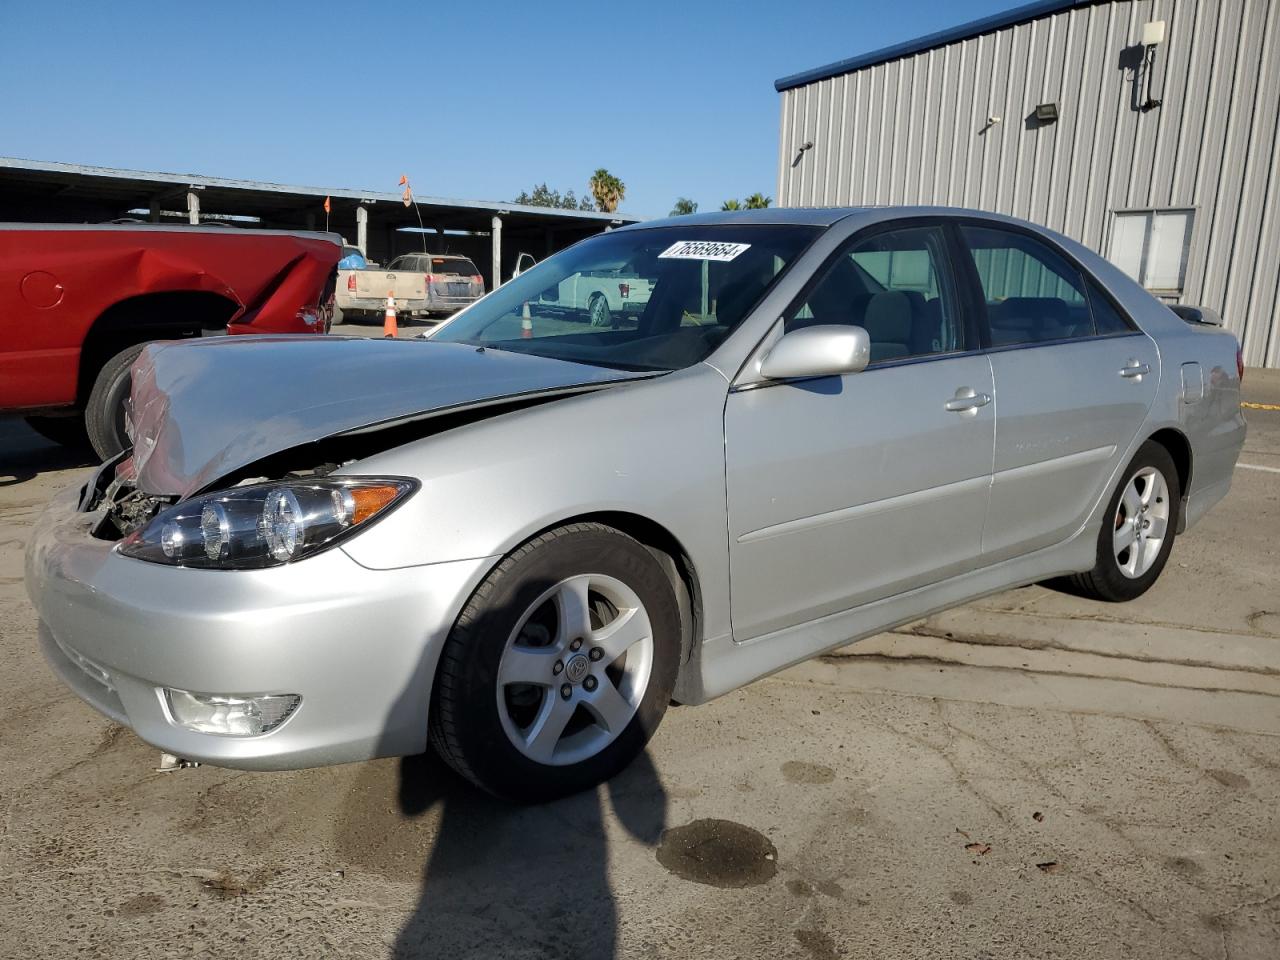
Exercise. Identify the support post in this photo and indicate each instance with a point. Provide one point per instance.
(497, 252)
(362, 229)
(193, 207)
(153, 210)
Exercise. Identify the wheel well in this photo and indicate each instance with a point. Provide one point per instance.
(1180, 450)
(150, 316)
(674, 559)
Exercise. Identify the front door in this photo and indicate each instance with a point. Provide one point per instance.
(844, 490)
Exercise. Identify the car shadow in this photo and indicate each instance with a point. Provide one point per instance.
(528, 881)
(24, 454)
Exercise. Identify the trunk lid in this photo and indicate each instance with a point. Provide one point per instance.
(401, 284)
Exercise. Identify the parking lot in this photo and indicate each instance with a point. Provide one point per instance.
(1032, 775)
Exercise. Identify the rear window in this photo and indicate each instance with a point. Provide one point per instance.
(458, 265)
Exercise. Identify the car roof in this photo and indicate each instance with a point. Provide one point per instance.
(811, 216)
(824, 216)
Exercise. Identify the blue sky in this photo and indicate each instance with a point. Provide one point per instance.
(477, 100)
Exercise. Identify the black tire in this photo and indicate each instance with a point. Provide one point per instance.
(465, 727)
(65, 431)
(104, 413)
(1106, 581)
(598, 312)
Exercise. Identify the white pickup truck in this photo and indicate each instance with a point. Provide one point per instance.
(423, 284)
(600, 296)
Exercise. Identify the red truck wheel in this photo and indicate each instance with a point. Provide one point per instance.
(104, 413)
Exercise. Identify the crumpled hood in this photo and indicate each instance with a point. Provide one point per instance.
(202, 409)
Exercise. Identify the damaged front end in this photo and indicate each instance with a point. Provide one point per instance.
(233, 439)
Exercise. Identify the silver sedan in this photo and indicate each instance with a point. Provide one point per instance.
(516, 541)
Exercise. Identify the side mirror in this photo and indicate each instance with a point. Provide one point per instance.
(821, 351)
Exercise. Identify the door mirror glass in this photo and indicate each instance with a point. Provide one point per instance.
(819, 351)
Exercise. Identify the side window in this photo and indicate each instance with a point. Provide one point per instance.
(399, 263)
(1033, 295)
(1107, 320)
(898, 286)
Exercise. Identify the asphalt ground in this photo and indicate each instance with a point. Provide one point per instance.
(1032, 775)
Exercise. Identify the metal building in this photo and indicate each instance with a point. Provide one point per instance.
(1146, 129)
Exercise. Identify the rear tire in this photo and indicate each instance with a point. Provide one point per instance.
(1138, 529)
(104, 415)
(598, 311)
(540, 693)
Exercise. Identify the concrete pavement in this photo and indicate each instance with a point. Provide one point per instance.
(1032, 775)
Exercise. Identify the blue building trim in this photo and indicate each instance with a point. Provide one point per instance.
(965, 31)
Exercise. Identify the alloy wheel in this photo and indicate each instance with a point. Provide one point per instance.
(575, 669)
(1141, 522)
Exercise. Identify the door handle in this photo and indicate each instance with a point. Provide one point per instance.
(967, 400)
(1134, 369)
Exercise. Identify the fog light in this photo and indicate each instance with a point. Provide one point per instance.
(230, 716)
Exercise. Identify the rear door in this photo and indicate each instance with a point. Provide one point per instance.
(1074, 380)
(843, 490)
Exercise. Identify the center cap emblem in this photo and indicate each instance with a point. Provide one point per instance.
(577, 668)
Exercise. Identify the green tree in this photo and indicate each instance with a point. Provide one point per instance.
(544, 196)
(731, 205)
(757, 201)
(683, 207)
(607, 189)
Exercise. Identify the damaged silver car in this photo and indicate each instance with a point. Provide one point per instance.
(518, 540)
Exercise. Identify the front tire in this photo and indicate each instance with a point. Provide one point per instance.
(1138, 529)
(104, 416)
(560, 666)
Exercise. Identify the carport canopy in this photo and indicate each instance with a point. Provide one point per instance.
(492, 233)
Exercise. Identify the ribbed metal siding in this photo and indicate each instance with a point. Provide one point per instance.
(914, 131)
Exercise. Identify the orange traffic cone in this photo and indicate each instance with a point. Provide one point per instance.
(526, 322)
(389, 323)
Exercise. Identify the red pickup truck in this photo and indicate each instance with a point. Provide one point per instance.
(78, 303)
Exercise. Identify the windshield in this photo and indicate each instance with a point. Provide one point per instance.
(658, 299)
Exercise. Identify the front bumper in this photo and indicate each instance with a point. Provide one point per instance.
(359, 646)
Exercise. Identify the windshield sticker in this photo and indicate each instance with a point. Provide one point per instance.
(703, 250)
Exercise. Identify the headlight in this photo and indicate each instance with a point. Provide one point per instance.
(266, 524)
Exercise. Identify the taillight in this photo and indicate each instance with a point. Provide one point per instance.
(351, 283)
(476, 278)
(1240, 363)
(430, 278)
(624, 289)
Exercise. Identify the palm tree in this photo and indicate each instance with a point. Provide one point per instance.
(757, 201)
(683, 207)
(731, 205)
(607, 189)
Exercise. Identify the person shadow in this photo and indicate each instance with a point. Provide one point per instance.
(521, 881)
